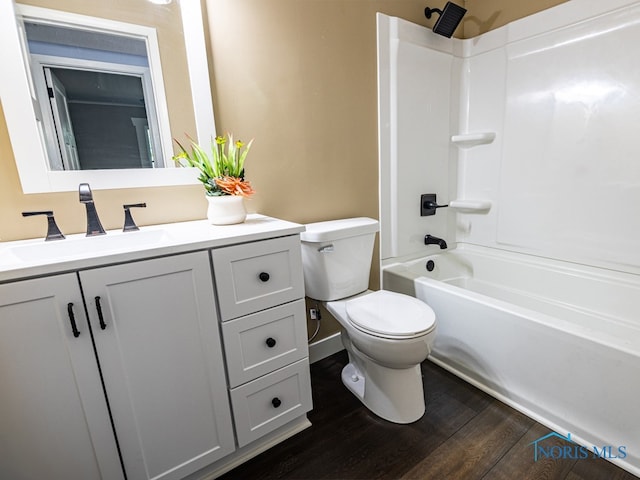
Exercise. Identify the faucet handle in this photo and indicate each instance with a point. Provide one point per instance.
(53, 232)
(129, 224)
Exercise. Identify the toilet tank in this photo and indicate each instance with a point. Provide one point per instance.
(336, 257)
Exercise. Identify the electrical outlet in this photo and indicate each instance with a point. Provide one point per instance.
(313, 314)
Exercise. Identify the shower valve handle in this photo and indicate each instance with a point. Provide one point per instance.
(429, 204)
(432, 205)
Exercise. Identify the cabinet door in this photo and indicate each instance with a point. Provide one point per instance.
(54, 421)
(159, 347)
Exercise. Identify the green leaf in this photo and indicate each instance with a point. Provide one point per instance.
(226, 159)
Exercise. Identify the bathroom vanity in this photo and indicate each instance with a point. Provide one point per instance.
(178, 351)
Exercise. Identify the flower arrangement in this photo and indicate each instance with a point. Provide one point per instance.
(222, 172)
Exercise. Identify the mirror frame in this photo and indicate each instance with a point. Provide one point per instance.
(28, 148)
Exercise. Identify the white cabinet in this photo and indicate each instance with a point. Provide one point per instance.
(156, 335)
(260, 290)
(156, 339)
(271, 401)
(262, 342)
(258, 275)
(54, 421)
(139, 368)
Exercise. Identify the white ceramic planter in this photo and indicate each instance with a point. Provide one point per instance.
(226, 210)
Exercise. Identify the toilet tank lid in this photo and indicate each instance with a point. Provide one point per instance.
(336, 229)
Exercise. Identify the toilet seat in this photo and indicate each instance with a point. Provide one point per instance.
(390, 315)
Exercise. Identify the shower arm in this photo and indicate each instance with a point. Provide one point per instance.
(430, 11)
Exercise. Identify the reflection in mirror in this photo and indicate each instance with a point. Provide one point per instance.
(103, 79)
(95, 98)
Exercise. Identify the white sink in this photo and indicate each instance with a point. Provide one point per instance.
(79, 245)
(22, 259)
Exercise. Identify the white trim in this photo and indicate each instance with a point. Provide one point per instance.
(243, 454)
(30, 155)
(325, 347)
(198, 70)
(39, 62)
(142, 127)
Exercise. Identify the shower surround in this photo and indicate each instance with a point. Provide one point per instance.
(531, 133)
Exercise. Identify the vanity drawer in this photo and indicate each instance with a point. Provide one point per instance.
(265, 341)
(269, 402)
(258, 275)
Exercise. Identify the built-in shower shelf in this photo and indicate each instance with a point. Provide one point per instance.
(470, 206)
(467, 140)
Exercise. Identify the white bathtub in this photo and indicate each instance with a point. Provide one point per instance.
(558, 341)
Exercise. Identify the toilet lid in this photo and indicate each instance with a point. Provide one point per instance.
(390, 314)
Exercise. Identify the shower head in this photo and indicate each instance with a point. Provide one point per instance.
(450, 17)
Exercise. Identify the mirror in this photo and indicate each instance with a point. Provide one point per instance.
(144, 159)
(94, 96)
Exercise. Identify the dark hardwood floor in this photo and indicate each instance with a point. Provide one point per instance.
(464, 434)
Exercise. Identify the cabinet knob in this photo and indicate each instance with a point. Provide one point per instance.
(271, 342)
(276, 402)
(264, 276)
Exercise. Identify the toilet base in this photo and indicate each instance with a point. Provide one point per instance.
(397, 395)
(353, 379)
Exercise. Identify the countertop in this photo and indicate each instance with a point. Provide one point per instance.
(33, 258)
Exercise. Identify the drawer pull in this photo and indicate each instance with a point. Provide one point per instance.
(276, 402)
(100, 316)
(264, 276)
(271, 342)
(72, 320)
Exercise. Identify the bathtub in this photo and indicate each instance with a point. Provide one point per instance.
(558, 341)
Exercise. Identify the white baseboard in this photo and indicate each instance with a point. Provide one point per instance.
(325, 347)
(247, 452)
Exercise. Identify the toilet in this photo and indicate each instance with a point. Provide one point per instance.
(386, 334)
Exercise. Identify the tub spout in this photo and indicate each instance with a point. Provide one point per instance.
(431, 240)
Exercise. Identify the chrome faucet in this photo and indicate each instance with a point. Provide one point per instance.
(431, 240)
(94, 227)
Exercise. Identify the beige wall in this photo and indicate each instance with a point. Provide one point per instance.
(485, 15)
(298, 76)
